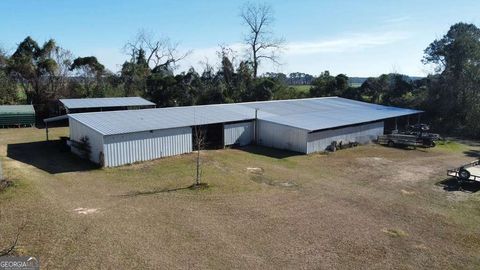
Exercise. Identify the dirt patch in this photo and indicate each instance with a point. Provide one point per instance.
(414, 173)
(258, 176)
(263, 179)
(86, 211)
(255, 170)
(374, 161)
(407, 192)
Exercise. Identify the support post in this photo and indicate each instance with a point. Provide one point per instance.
(46, 129)
(396, 126)
(223, 135)
(255, 127)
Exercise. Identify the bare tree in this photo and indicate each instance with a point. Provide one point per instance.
(60, 81)
(259, 38)
(200, 140)
(158, 52)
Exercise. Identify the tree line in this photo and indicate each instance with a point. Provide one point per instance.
(450, 97)
(40, 74)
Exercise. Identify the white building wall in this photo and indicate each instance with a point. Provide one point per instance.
(320, 140)
(129, 148)
(238, 133)
(281, 136)
(79, 130)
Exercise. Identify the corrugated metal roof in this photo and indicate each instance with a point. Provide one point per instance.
(17, 109)
(325, 113)
(77, 103)
(310, 114)
(118, 122)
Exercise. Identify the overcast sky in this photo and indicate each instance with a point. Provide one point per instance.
(358, 38)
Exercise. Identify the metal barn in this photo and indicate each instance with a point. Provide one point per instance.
(303, 125)
(17, 115)
(125, 137)
(82, 105)
(79, 105)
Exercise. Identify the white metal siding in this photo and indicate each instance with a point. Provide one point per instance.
(319, 141)
(239, 133)
(281, 136)
(147, 145)
(79, 130)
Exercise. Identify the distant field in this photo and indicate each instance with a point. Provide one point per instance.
(302, 88)
(306, 88)
(365, 207)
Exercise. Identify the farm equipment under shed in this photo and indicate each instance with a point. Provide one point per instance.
(414, 135)
(421, 130)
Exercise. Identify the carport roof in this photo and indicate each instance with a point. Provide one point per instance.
(309, 114)
(78, 103)
(17, 109)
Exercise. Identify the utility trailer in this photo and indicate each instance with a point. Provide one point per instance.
(397, 139)
(467, 172)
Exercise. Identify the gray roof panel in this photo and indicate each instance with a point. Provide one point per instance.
(119, 122)
(78, 103)
(309, 114)
(17, 109)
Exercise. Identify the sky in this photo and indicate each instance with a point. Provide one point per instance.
(357, 38)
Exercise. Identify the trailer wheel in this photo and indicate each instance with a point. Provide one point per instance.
(433, 144)
(391, 144)
(463, 174)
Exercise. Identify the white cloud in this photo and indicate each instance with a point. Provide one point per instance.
(397, 20)
(308, 56)
(354, 42)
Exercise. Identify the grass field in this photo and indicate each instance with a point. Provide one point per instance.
(302, 88)
(306, 88)
(355, 85)
(368, 207)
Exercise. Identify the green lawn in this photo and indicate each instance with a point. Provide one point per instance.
(355, 85)
(302, 88)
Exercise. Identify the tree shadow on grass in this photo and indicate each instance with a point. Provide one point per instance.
(404, 147)
(474, 143)
(50, 156)
(269, 152)
(472, 153)
(164, 190)
(452, 184)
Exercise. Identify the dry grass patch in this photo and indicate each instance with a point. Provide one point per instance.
(249, 218)
(395, 233)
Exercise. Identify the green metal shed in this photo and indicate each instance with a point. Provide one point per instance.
(17, 115)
